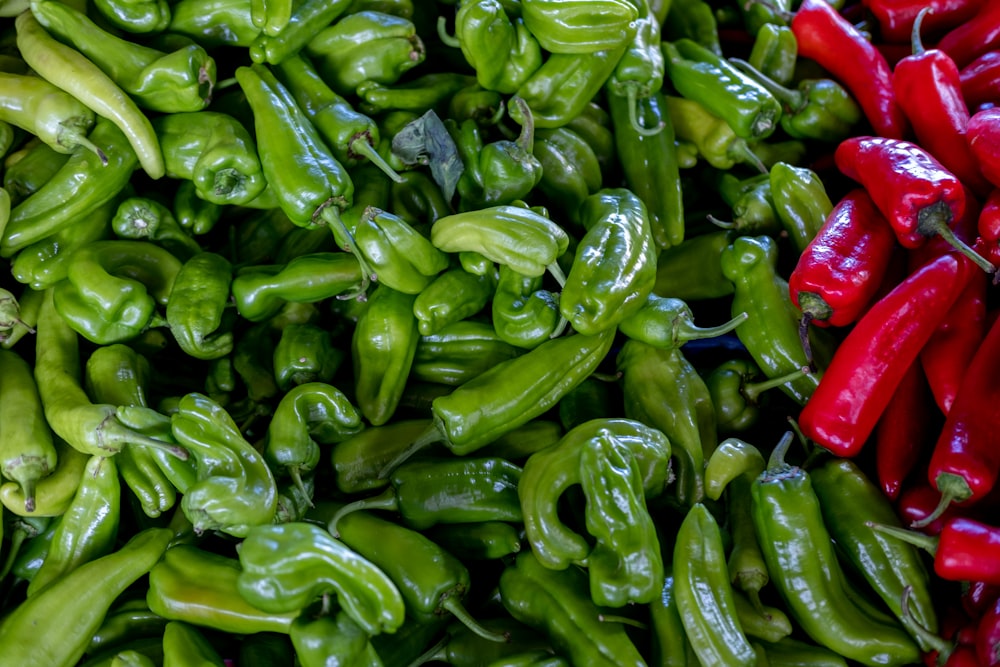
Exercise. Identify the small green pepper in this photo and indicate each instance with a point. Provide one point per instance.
(752, 204)
(486, 540)
(214, 22)
(400, 257)
(571, 168)
(196, 306)
(144, 218)
(305, 353)
(319, 638)
(775, 52)
(305, 20)
(692, 271)
(53, 493)
(357, 461)
(694, 20)
(193, 213)
(453, 296)
(460, 351)
(800, 201)
(186, 646)
(717, 142)
(737, 399)
(666, 322)
(500, 48)
(580, 26)
(523, 314)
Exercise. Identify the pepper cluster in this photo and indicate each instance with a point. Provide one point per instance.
(363, 332)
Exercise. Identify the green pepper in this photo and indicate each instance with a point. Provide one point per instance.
(806, 572)
(307, 18)
(430, 91)
(549, 472)
(29, 539)
(800, 201)
(667, 322)
(197, 586)
(500, 48)
(431, 581)
(126, 620)
(196, 306)
(571, 169)
(214, 22)
(556, 603)
(285, 567)
(310, 184)
(77, 190)
(214, 151)
(27, 451)
(694, 20)
(26, 317)
(687, 419)
(357, 461)
(417, 199)
(737, 399)
(724, 90)
(452, 296)
(409, 642)
(771, 334)
(671, 647)
(775, 52)
(367, 46)
(705, 598)
(640, 71)
(460, 351)
(29, 168)
(192, 212)
(144, 218)
(320, 638)
(462, 648)
(752, 204)
(523, 314)
(848, 499)
(271, 16)
(261, 291)
(790, 652)
(692, 271)
(580, 26)
(135, 16)
(53, 493)
(54, 627)
(305, 353)
(446, 490)
(184, 645)
(760, 621)
(308, 415)
(382, 349)
(351, 135)
(113, 288)
(485, 540)
(474, 102)
(235, 489)
(717, 142)
(400, 257)
(181, 80)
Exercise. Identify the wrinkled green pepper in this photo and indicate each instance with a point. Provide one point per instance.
(500, 48)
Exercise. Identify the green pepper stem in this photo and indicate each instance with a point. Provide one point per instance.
(927, 640)
(296, 476)
(723, 224)
(740, 150)
(776, 460)
(934, 219)
(632, 95)
(112, 434)
(80, 140)
(624, 620)
(16, 540)
(926, 542)
(953, 488)
(387, 500)
(433, 433)
(916, 43)
(436, 653)
(685, 331)
(557, 273)
(28, 489)
(752, 391)
(329, 214)
(446, 38)
(526, 139)
(361, 145)
(793, 100)
(560, 327)
(454, 605)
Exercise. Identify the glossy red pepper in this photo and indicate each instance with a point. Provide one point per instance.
(980, 80)
(929, 88)
(968, 550)
(916, 503)
(988, 227)
(987, 641)
(978, 597)
(895, 17)
(983, 137)
(963, 656)
(905, 431)
(911, 188)
(840, 48)
(871, 361)
(965, 461)
(975, 36)
(838, 273)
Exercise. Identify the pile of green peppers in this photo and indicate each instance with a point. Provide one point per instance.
(301, 293)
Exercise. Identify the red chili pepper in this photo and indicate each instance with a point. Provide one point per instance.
(871, 361)
(974, 37)
(988, 227)
(980, 80)
(905, 431)
(912, 189)
(988, 635)
(978, 597)
(895, 17)
(917, 502)
(840, 270)
(928, 87)
(965, 461)
(841, 49)
(965, 550)
(963, 656)
(947, 355)
(983, 137)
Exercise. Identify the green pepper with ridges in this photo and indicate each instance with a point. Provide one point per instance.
(523, 314)
(357, 461)
(322, 637)
(196, 306)
(641, 69)
(775, 52)
(400, 257)
(305, 353)
(667, 322)
(186, 646)
(144, 218)
(761, 621)
(751, 202)
(452, 296)
(28, 304)
(459, 352)
(271, 16)
(486, 540)
(580, 27)
(193, 213)
(736, 397)
(135, 16)
(307, 18)
(694, 20)
(54, 492)
(30, 167)
(500, 48)
(214, 23)
(571, 170)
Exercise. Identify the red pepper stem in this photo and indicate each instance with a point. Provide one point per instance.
(934, 219)
(433, 433)
(916, 43)
(387, 500)
(452, 604)
(953, 488)
(776, 461)
(928, 543)
(752, 391)
(789, 98)
(361, 146)
(686, 331)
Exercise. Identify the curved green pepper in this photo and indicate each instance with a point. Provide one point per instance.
(523, 314)
(640, 72)
(54, 492)
(775, 52)
(196, 306)
(30, 168)
(287, 566)
(305, 20)
(751, 202)
(736, 398)
(401, 258)
(305, 353)
(580, 26)
(488, 540)
(459, 352)
(501, 49)
(452, 297)
(357, 461)
(717, 143)
(571, 168)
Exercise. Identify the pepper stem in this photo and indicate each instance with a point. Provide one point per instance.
(16, 540)
(112, 434)
(329, 214)
(776, 460)
(926, 542)
(526, 139)
(752, 391)
(387, 500)
(740, 150)
(685, 330)
(927, 640)
(624, 620)
(436, 653)
(954, 488)
(74, 138)
(361, 146)
(453, 605)
(433, 433)
(916, 44)
(632, 95)
(446, 38)
(557, 273)
(934, 219)
(793, 100)
(724, 224)
(296, 476)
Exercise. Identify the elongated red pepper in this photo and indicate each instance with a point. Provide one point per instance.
(988, 227)
(965, 462)
(916, 503)
(978, 597)
(905, 431)
(929, 88)
(983, 137)
(980, 80)
(974, 37)
(828, 38)
(895, 17)
(988, 635)
(840, 270)
(911, 188)
(871, 361)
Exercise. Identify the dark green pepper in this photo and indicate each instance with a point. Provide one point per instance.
(670, 644)
(486, 540)
(30, 168)
(127, 620)
(692, 271)
(571, 169)
(305, 353)
(184, 644)
(500, 48)
(640, 71)
(666, 322)
(192, 212)
(305, 20)
(737, 399)
(460, 351)
(800, 201)
(196, 306)
(452, 297)
(336, 636)
(430, 91)
(523, 314)
(357, 461)
(775, 52)
(694, 20)
(751, 202)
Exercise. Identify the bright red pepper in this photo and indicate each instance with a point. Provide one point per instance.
(988, 635)
(974, 37)
(978, 597)
(871, 361)
(828, 38)
(965, 461)
(980, 80)
(895, 17)
(905, 431)
(983, 137)
(965, 550)
(911, 188)
(916, 503)
(929, 88)
(988, 227)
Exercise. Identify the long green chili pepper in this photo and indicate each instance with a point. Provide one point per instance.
(71, 71)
